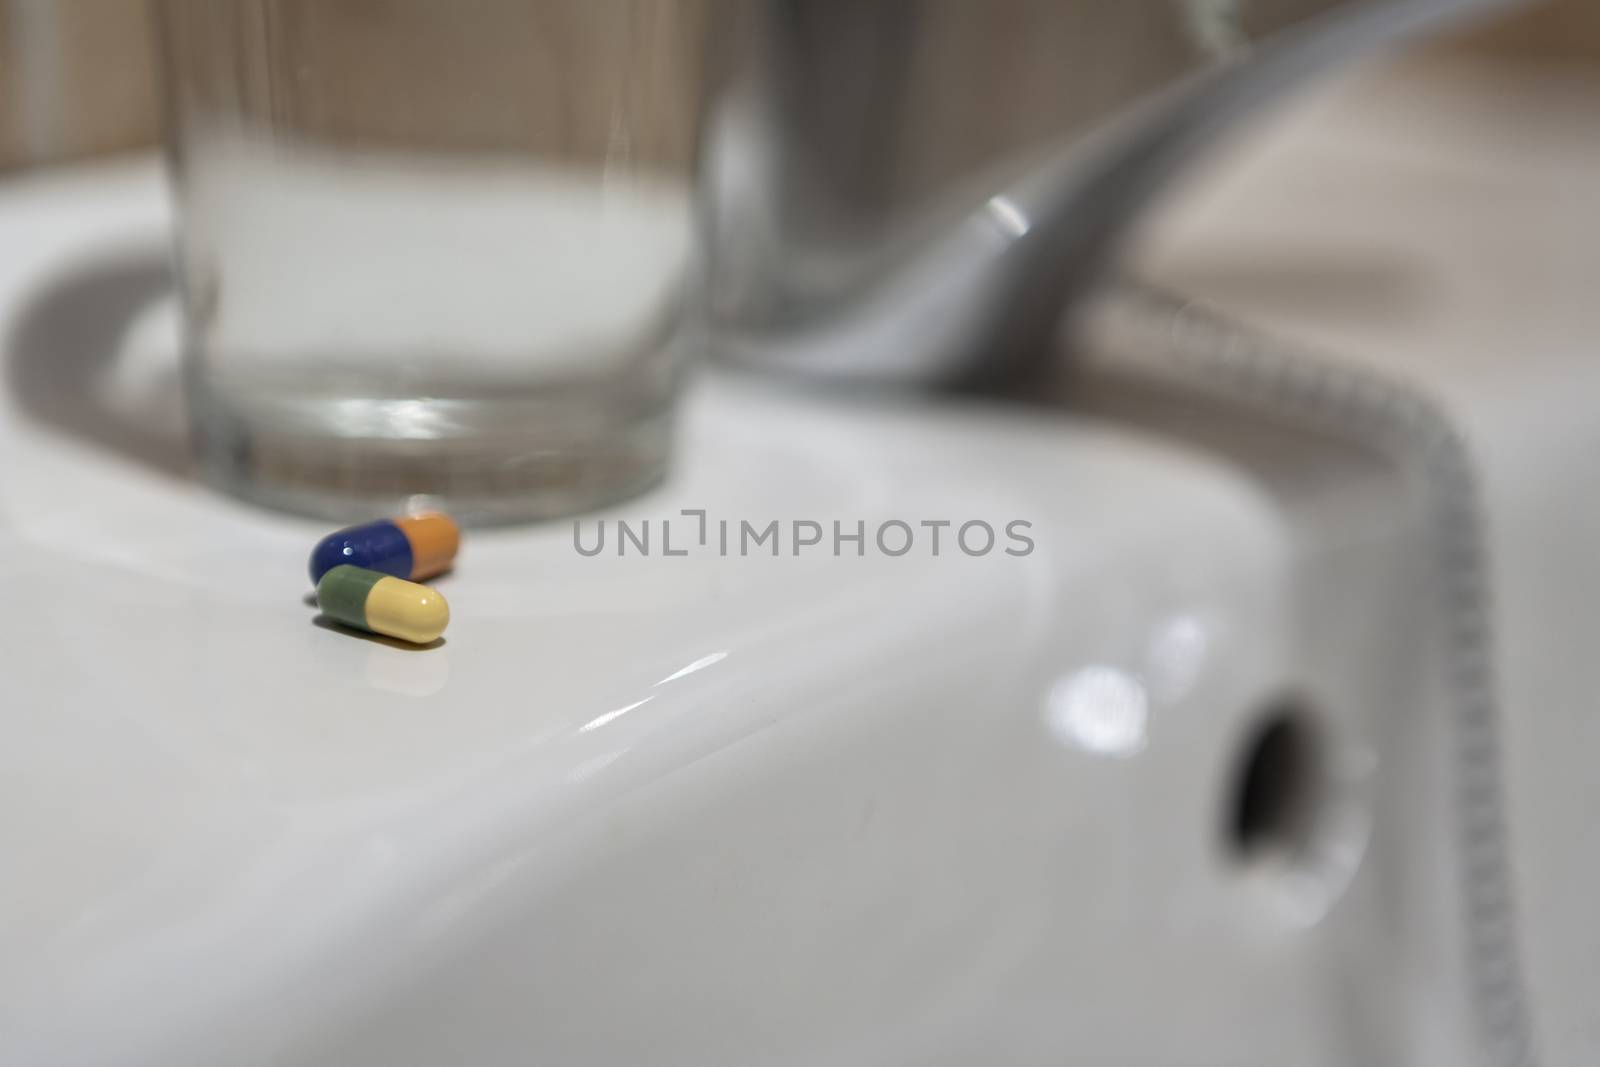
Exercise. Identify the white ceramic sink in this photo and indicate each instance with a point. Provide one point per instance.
(707, 809)
(1000, 809)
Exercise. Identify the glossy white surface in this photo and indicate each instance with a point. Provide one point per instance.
(749, 810)
(1440, 222)
(690, 810)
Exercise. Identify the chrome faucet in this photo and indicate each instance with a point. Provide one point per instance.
(913, 192)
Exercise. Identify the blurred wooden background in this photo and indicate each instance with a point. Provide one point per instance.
(76, 76)
(1556, 31)
(582, 80)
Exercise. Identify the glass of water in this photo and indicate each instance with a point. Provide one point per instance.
(433, 254)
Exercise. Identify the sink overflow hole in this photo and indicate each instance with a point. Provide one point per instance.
(1277, 787)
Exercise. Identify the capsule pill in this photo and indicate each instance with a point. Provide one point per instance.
(382, 604)
(413, 547)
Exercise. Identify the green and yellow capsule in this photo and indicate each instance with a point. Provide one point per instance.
(382, 604)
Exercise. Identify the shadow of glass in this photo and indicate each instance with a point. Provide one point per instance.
(63, 346)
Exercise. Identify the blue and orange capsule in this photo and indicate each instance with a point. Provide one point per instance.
(411, 548)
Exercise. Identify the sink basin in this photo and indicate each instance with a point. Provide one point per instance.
(1188, 777)
(737, 809)
(1139, 770)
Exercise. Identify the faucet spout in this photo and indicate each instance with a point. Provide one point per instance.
(857, 239)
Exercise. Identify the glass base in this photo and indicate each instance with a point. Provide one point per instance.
(486, 462)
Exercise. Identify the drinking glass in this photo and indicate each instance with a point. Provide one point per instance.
(433, 254)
